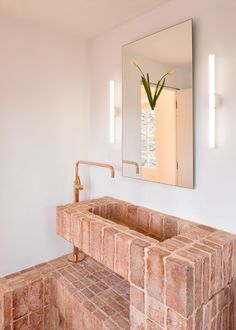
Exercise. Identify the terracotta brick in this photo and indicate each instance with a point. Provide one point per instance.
(6, 308)
(225, 296)
(198, 279)
(218, 265)
(213, 306)
(36, 320)
(170, 227)
(95, 209)
(169, 245)
(132, 215)
(219, 321)
(186, 226)
(184, 239)
(121, 322)
(232, 318)
(157, 225)
(20, 302)
(226, 243)
(213, 324)
(96, 240)
(46, 317)
(225, 322)
(232, 291)
(47, 290)
(109, 211)
(212, 257)
(85, 234)
(98, 320)
(36, 295)
(179, 286)
(77, 230)
(21, 324)
(123, 242)
(87, 320)
(196, 233)
(221, 300)
(152, 325)
(207, 228)
(122, 211)
(137, 262)
(77, 315)
(155, 273)
(60, 304)
(143, 215)
(199, 319)
(175, 321)
(155, 311)
(205, 270)
(108, 255)
(68, 299)
(137, 319)
(176, 242)
(108, 310)
(110, 325)
(206, 315)
(137, 298)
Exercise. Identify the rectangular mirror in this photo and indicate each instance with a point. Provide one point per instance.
(158, 107)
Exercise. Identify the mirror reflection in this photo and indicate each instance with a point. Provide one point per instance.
(158, 107)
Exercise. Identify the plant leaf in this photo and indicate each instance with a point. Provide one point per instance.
(150, 91)
(149, 95)
(159, 92)
(156, 90)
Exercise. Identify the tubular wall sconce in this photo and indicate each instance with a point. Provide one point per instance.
(212, 102)
(112, 112)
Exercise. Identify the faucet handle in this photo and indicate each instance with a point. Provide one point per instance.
(78, 186)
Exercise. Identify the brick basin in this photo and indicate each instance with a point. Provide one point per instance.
(181, 273)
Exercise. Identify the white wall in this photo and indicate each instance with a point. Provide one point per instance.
(213, 199)
(44, 122)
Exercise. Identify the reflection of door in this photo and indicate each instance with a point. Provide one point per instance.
(166, 136)
(165, 168)
(185, 138)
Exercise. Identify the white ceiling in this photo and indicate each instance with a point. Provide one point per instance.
(88, 18)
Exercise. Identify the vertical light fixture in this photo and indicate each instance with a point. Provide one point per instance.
(112, 112)
(212, 102)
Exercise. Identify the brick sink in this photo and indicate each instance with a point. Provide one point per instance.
(181, 273)
(143, 270)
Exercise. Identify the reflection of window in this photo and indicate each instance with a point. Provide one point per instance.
(148, 132)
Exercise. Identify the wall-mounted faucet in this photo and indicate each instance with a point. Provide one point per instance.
(77, 254)
(77, 182)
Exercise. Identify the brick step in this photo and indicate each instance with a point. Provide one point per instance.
(89, 296)
(62, 295)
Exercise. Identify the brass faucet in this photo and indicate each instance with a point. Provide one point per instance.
(130, 162)
(77, 254)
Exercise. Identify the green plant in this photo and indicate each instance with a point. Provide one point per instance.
(152, 99)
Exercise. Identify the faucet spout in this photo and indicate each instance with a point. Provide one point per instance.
(85, 162)
(77, 182)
